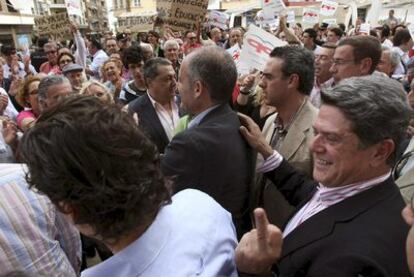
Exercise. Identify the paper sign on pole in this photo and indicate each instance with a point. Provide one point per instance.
(272, 8)
(310, 16)
(218, 19)
(365, 28)
(137, 23)
(182, 15)
(290, 17)
(328, 7)
(260, 19)
(257, 45)
(56, 26)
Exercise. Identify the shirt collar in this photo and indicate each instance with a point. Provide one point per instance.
(155, 103)
(196, 120)
(138, 256)
(333, 195)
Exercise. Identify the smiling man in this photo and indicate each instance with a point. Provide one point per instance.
(347, 220)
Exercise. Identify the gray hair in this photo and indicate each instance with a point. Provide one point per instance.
(150, 69)
(47, 82)
(215, 68)
(89, 83)
(394, 57)
(171, 43)
(377, 107)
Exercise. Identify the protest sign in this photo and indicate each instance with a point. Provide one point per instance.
(56, 26)
(328, 7)
(182, 15)
(272, 8)
(329, 20)
(290, 17)
(257, 45)
(218, 19)
(310, 16)
(364, 28)
(73, 7)
(235, 52)
(261, 20)
(137, 23)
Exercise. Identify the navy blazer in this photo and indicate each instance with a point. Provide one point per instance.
(363, 235)
(149, 122)
(214, 158)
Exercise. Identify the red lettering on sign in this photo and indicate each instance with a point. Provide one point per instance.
(259, 47)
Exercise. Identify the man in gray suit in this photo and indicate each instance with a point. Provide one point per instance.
(287, 80)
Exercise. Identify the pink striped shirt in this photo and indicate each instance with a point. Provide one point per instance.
(326, 197)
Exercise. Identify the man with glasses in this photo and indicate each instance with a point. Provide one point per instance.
(348, 217)
(13, 66)
(192, 43)
(355, 56)
(51, 50)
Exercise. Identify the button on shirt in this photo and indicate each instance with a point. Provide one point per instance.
(193, 236)
(168, 120)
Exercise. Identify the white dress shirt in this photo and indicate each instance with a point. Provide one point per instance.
(98, 60)
(193, 236)
(168, 120)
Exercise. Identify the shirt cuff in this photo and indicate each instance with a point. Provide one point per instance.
(271, 163)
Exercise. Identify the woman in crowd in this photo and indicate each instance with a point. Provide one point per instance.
(95, 88)
(112, 70)
(27, 98)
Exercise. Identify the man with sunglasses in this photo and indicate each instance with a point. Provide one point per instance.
(14, 67)
(52, 54)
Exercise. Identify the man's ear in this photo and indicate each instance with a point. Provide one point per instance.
(198, 88)
(383, 150)
(365, 66)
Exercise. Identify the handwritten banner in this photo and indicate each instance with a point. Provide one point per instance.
(55, 26)
(138, 23)
(182, 15)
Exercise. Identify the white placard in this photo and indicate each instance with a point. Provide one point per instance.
(328, 7)
(291, 17)
(218, 19)
(364, 28)
(73, 7)
(272, 8)
(261, 19)
(310, 16)
(257, 45)
(329, 20)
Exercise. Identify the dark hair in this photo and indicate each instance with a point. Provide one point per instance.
(7, 49)
(66, 54)
(95, 43)
(132, 55)
(216, 70)
(329, 45)
(150, 69)
(401, 37)
(312, 34)
(41, 41)
(394, 30)
(154, 33)
(297, 60)
(93, 158)
(342, 27)
(385, 32)
(376, 105)
(338, 32)
(364, 47)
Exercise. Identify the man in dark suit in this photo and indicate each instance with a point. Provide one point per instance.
(348, 220)
(158, 113)
(211, 154)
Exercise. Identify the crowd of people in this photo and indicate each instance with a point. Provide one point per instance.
(154, 152)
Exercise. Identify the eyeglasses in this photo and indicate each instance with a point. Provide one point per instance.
(192, 38)
(342, 62)
(322, 57)
(65, 61)
(51, 52)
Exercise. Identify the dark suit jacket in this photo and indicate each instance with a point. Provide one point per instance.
(149, 121)
(214, 158)
(363, 234)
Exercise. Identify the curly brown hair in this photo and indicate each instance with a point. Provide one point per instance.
(92, 157)
(23, 93)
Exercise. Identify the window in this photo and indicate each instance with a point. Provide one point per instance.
(137, 3)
